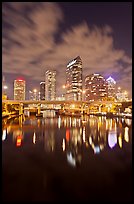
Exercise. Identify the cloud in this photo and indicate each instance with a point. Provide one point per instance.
(31, 46)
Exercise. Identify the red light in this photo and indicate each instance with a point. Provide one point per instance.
(19, 79)
(67, 135)
(19, 140)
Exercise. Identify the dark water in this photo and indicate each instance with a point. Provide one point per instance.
(67, 159)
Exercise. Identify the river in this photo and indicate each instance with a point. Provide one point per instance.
(67, 159)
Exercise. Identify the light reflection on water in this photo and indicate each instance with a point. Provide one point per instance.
(69, 135)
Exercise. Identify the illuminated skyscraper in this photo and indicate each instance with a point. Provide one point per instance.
(4, 89)
(50, 88)
(96, 87)
(111, 87)
(74, 80)
(19, 89)
(42, 90)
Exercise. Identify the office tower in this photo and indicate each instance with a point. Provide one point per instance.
(111, 87)
(96, 88)
(4, 89)
(34, 95)
(19, 89)
(74, 80)
(42, 90)
(50, 85)
(121, 95)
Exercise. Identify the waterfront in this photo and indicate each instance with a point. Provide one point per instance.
(67, 159)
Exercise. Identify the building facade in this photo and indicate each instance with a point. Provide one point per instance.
(4, 89)
(19, 89)
(74, 80)
(96, 88)
(42, 90)
(121, 95)
(50, 85)
(111, 87)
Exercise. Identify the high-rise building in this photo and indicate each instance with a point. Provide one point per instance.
(19, 89)
(74, 80)
(121, 95)
(50, 85)
(111, 87)
(4, 89)
(34, 95)
(96, 88)
(42, 90)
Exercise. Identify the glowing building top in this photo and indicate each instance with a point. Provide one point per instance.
(111, 87)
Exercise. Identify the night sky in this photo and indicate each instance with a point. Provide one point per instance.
(41, 36)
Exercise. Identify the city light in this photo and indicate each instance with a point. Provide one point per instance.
(63, 144)
(112, 138)
(5, 87)
(35, 90)
(34, 138)
(4, 135)
(64, 86)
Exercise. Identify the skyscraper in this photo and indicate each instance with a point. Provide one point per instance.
(19, 89)
(42, 90)
(96, 87)
(111, 87)
(4, 89)
(50, 86)
(74, 80)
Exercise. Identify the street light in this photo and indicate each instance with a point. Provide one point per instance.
(64, 86)
(5, 87)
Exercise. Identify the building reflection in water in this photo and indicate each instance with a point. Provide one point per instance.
(63, 145)
(126, 136)
(4, 134)
(112, 138)
(59, 122)
(120, 140)
(34, 138)
(92, 132)
(49, 140)
(18, 137)
(74, 146)
(128, 121)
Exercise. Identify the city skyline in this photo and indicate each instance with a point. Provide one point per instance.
(69, 30)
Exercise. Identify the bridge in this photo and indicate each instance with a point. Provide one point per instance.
(66, 105)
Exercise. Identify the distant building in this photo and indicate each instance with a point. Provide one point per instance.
(111, 87)
(42, 90)
(74, 80)
(34, 95)
(60, 98)
(121, 95)
(50, 85)
(96, 88)
(19, 89)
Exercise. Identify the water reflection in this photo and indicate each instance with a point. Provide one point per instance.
(4, 134)
(126, 135)
(112, 138)
(49, 140)
(34, 138)
(74, 137)
(18, 137)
